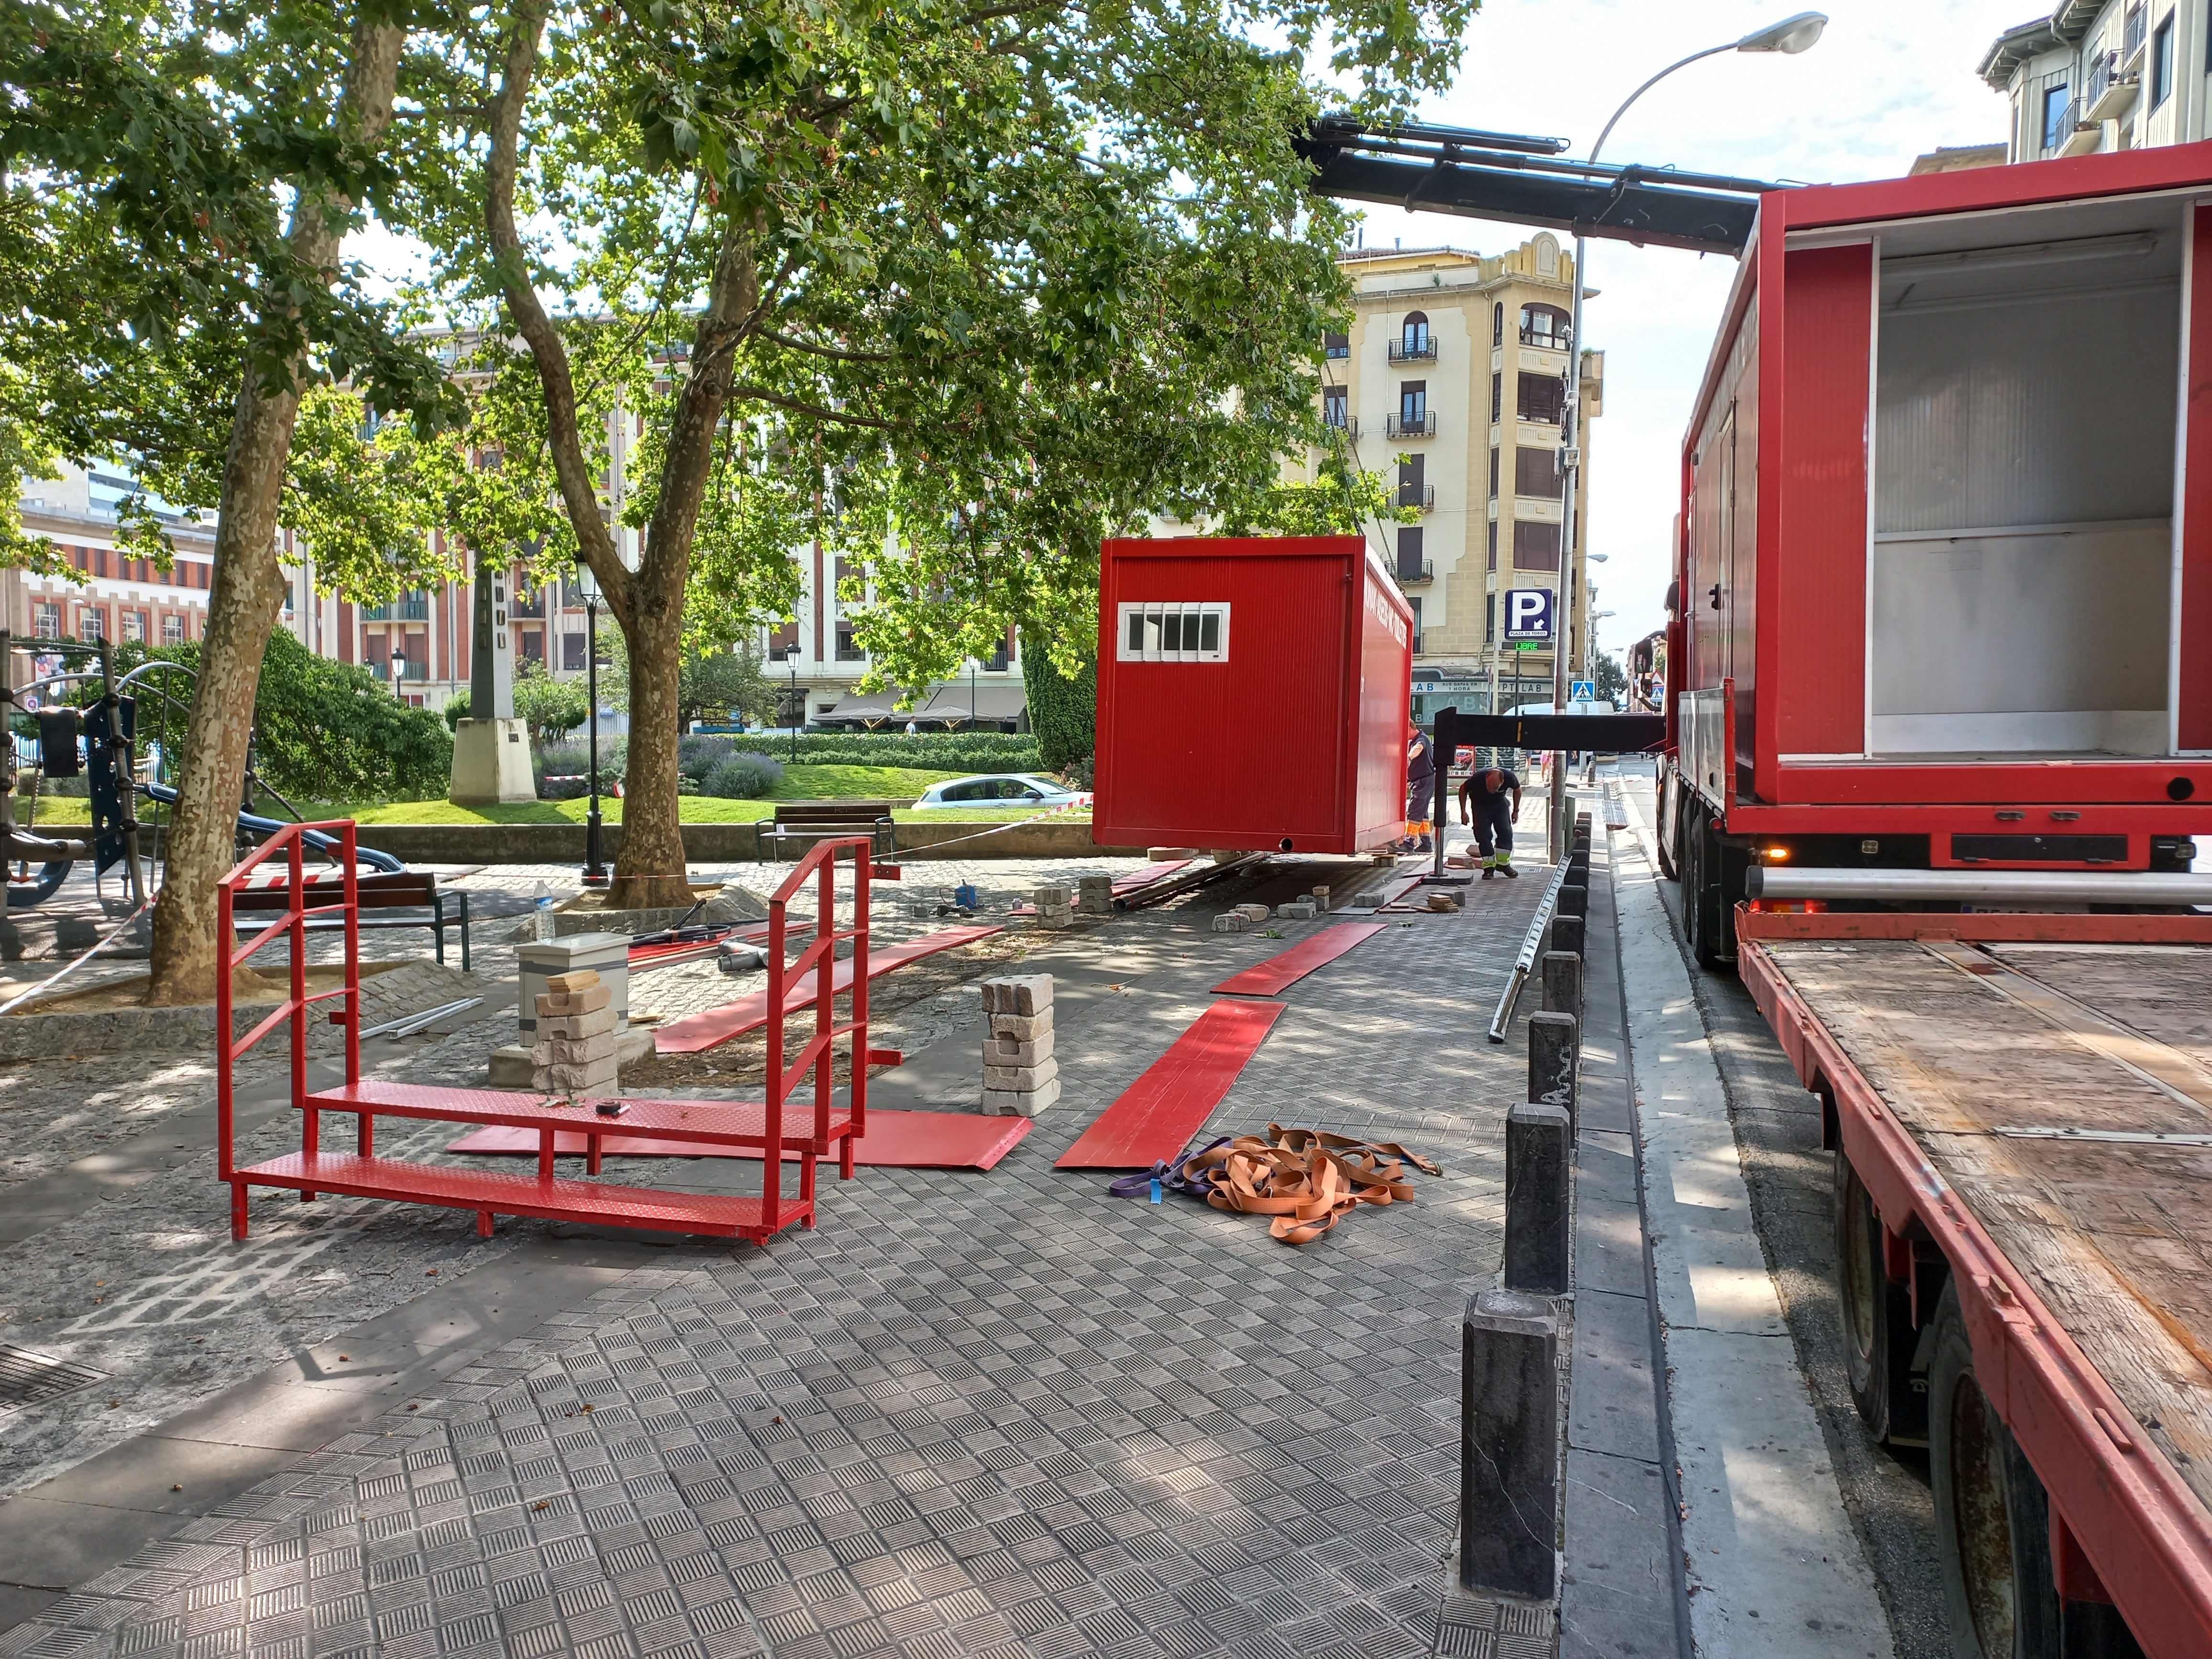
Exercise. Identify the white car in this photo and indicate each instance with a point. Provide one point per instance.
(997, 789)
(1581, 706)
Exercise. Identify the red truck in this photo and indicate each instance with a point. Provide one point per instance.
(1939, 736)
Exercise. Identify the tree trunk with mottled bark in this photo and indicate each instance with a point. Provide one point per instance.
(246, 594)
(647, 603)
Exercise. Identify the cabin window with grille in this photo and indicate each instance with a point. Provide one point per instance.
(1170, 632)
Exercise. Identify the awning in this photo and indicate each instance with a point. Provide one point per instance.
(879, 705)
(955, 700)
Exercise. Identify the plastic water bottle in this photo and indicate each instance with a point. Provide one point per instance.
(543, 901)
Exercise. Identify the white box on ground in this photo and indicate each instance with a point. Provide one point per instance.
(540, 959)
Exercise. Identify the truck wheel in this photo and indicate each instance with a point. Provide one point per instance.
(1668, 821)
(1877, 1319)
(1701, 900)
(1992, 1516)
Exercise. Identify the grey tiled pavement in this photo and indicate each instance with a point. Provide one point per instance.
(1002, 1415)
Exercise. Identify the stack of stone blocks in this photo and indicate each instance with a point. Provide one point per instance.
(574, 1054)
(1095, 896)
(1020, 1077)
(1056, 907)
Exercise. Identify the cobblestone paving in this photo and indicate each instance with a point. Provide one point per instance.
(1002, 1415)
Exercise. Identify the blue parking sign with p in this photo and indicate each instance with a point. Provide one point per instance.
(1527, 614)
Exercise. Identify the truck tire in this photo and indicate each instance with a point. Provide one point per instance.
(1876, 1315)
(1703, 903)
(1992, 1516)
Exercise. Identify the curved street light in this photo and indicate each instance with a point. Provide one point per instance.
(1793, 35)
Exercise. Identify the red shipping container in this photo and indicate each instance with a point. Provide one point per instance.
(1252, 694)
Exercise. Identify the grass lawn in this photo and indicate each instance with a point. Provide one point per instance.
(892, 783)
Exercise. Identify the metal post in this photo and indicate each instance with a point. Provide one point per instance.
(796, 711)
(595, 863)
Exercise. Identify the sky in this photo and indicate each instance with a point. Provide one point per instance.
(1889, 80)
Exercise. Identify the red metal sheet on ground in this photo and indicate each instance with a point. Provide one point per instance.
(695, 1033)
(1156, 1115)
(1285, 968)
(898, 1140)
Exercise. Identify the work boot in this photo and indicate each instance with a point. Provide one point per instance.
(1424, 846)
(1487, 873)
(1508, 870)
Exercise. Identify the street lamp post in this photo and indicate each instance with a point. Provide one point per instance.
(399, 675)
(595, 863)
(1793, 35)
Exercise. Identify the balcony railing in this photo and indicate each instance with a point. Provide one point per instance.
(1415, 575)
(1423, 425)
(417, 670)
(398, 610)
(1348, 425)
(1423, 496)
(1413, 351)
(2132, 31)
(2109, 92)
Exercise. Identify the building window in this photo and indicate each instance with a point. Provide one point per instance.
(2161, 63)
(92, 623)
(1536, 472)
(1412, 480)
(532, 641)
(46, 621)
(1415, 343)
(1490, 619)
(1335, 406)
(1413, 402)
(1496, 398)
(1542, 398)
(134, 626)
(172, 629)
(1498, 324)
(1336, 345)
(1493, 544)
(1546, 325)
(847, 649)
(1494, 473)
(2054, 115)
(783, 642)
(1535, 545)
(1417, 624)
(1410, 566)
(571, 650)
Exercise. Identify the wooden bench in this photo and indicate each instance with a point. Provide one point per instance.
(707, 1122)
(799, 824)
(403, 890)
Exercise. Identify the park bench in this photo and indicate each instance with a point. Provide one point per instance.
(403, 890)
(781, 1127)
(799, 824)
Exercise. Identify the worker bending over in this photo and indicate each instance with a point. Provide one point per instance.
(1493, 818)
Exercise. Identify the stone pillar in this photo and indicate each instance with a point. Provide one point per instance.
(1538, 1246)
(1553, 1040)
(1509, 1446)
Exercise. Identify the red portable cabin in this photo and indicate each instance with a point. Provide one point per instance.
(1944, 573)
(1252, 694)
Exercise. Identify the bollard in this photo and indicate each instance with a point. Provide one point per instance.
(1537, 1247)
(1554, 1050)
(1567, 933)
(1508, 1497)
(1563, 983)
(1574, 900)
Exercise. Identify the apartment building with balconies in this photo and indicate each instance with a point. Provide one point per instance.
(1452, 381)
(122, 596)
(2103, 75)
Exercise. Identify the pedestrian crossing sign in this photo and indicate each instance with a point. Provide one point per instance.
(1582, 691)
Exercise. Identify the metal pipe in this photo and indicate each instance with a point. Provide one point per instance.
(408, 1024)
(1985, 886)
(1526, 961)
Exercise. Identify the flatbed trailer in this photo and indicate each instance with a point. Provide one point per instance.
(2020, 1110)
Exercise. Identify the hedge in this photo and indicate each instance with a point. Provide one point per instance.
(936, 752)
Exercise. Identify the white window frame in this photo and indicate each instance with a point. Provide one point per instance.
(1159, 621)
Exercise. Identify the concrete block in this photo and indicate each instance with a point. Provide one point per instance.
(1021, 1102)
(1028, 1079)
(560, 985)
(1022, 1028)
(1026, 993)
(1321, 898)
(575, 1027)
(1574, 899)
(1553, 1043)
(631, 1047)
(1253, 912)
(587, 1000)
(512, 1068)
(1297, 911)
(1232, 921)
(573, 1051)
(1539, 1254)
(1170, 855)
(598, 1078)
(1563, 983)
(1052, 898)
(1567, 934)
(999, 1051)
(1053, 921)
(1509, 1446)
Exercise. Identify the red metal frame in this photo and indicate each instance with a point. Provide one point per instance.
(2124, 1513)
(310, 1172)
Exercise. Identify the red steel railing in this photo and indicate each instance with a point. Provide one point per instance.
(817, 1055)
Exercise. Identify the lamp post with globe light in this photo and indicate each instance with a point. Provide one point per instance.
(1792, 35)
